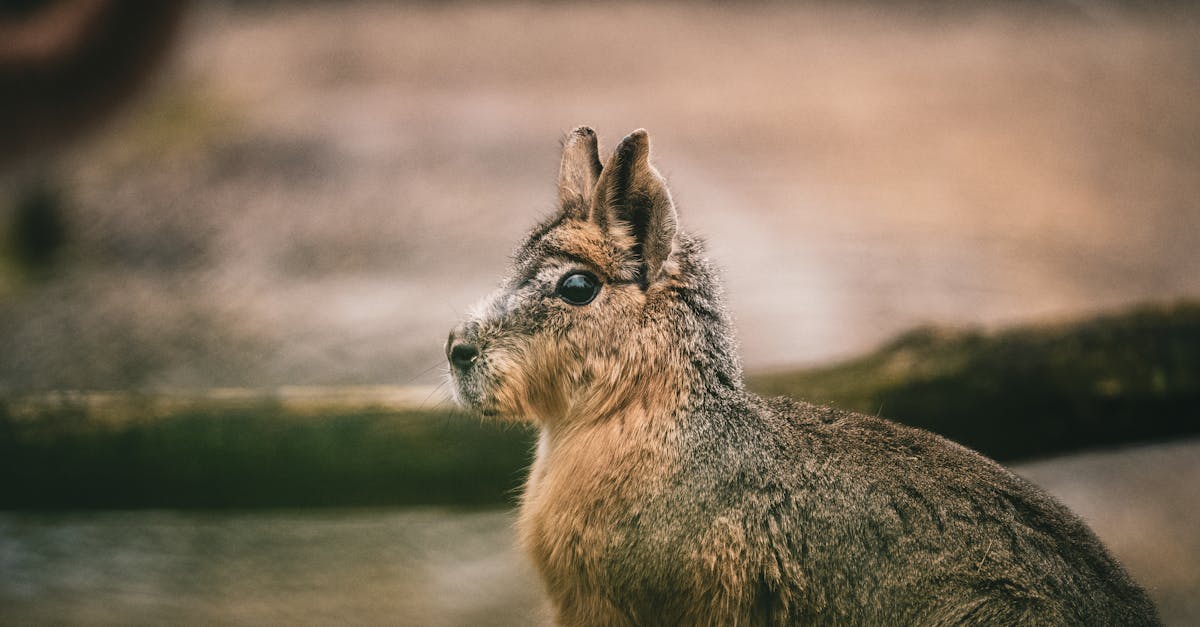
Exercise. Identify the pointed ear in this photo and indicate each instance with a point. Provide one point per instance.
(578, 172)
(633, 196)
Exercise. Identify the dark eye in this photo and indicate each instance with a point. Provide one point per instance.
(578, 288)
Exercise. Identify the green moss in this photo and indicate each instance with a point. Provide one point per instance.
(1029, 391)
(258, 457)
(1018, 393)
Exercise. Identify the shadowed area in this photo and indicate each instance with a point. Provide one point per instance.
(1029, 391)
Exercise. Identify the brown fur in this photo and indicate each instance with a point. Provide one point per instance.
(663, 493)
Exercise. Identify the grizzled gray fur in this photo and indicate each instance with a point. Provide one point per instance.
(664, 493)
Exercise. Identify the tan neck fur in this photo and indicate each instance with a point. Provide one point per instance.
(586, 475)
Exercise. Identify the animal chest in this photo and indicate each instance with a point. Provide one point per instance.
(605, 543)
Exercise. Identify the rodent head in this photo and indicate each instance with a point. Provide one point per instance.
(607, 306)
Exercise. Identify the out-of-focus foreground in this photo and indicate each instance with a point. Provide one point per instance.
(439, 567)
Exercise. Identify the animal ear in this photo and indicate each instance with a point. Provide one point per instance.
(632, 196)
(578, 172)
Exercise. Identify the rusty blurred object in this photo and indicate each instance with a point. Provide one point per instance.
(66, 64)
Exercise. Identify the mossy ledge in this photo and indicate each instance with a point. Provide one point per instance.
(1019, 393)
(1029, 391)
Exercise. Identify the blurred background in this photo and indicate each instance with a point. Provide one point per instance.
(235, 234)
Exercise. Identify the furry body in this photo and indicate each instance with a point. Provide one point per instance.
(664, 493)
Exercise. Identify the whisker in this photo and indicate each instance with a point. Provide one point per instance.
(435, 390)
(423, 372)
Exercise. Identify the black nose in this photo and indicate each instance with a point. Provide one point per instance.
(463, 355)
